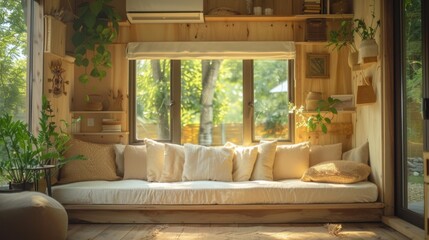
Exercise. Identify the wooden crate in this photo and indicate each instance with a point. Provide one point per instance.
(315, 29)
(55, 36)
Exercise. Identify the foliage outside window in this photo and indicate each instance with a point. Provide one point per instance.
(13, 60)
(212, 108)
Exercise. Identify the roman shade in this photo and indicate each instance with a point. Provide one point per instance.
(211, 50)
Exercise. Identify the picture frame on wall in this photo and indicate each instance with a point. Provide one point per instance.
(317, 65)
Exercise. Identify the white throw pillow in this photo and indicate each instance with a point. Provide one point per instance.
(291, 161)
(243, 161)
(135, 162)
(263, 169)
(358, 154)
(119, 159)
(174, 159)
(323, 153)
(155, 159)
(207, 163)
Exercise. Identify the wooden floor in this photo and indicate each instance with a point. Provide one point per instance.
(230, 231)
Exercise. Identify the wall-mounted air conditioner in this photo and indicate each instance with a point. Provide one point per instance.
(165, 11)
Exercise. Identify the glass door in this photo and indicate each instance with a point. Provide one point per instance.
(409, 61)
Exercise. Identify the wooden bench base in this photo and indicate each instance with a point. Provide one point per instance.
(279, 213)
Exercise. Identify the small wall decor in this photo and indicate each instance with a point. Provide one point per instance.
(317, 65)
(58, 83)
(115, 102)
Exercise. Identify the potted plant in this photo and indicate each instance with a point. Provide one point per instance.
(22, 151)
(344, 36)
(19, 153)
(325, 112)
(96, 26)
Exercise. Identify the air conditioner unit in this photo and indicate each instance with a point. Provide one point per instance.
(165, 11)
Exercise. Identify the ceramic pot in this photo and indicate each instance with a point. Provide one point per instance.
(368, 51)
(353, 59)
(312, 100)
(26, 186)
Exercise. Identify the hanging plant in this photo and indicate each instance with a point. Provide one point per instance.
(92, 35)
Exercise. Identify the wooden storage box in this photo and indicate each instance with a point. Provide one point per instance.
(315, 29)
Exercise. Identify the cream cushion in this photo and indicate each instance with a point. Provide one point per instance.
(339, 171)
(31, 215)
(174, 159)
(99, 163)
(207, 163)
(291, 161)
(135, 162)
(119, 159)
(263, 169)
(243, 161)
(155, 159)
(322, 153)
(359, 154)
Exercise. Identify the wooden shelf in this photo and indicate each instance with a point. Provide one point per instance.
(253, 18)
(100, 133)
(339, 111)
(66, 58)
(363, 66)
(310, 43)
(95, 112)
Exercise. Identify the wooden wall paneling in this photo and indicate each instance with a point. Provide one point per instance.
(370, 124)
(298, 31)
(270, 31)
(338, 83)
(154, 32)
(60, 104)
(36, 76)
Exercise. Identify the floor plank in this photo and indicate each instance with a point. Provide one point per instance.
(230, 231)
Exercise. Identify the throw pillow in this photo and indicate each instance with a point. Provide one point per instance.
(359, 154)
(119, 159)
(207, 163)
(99, 163)
(339, 171)
(263, 169)
(322, 153)
(243, 161)
(291, 161)
(155, 159)
(174, 159)
(135, 162)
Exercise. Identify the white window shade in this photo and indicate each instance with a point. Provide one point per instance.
(211, 50)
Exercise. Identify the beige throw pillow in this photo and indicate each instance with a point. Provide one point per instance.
(174, 159)
(243, 161)
(340, 171)
(359, 154)
(263, 169)
(155, 159)
(99, 163)
(291, 161)
(322, 153)
(135, 162)
(207, 163)
(119, 159)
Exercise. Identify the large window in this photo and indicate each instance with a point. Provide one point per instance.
(240, 101)
(15, 26)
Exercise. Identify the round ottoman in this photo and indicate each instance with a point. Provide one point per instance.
(31, 215)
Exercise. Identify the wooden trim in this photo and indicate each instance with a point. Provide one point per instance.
(253, 18)
(404, 227)
(276, 213)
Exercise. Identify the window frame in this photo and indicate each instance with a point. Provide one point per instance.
(175, 110)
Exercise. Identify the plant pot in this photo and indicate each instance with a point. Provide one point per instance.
(312, 100)
(26, 186)
(368, 51)
(353, 59)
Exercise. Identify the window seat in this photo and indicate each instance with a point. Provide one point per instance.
(292, 200)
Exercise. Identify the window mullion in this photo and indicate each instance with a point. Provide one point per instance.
(247, 101)
(175, 114)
